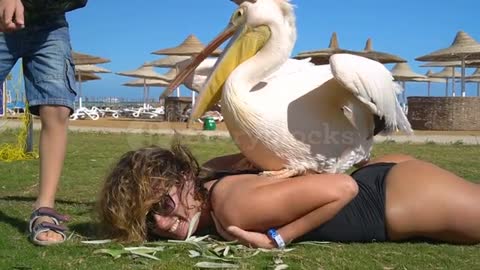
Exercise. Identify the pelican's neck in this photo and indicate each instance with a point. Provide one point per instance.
(265, 62)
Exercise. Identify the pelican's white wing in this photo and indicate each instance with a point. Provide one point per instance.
(293, 79)
(289, 67)
(372, 84)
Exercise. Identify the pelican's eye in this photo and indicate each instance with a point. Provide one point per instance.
(237, 16)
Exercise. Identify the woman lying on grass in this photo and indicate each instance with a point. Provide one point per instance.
(155, 192)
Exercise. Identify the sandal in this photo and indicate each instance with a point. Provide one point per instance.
(45, 226)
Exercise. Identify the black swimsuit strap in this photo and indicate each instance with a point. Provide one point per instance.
(213, 187)
(220, 175)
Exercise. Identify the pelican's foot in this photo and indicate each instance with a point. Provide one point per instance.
(284, 173)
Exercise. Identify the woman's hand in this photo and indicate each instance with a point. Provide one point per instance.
(247, 238)
(252, 239)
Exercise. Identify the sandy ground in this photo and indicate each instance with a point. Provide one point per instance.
(161, 127)
(140, 123)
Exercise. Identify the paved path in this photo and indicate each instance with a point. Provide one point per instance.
(151, 129)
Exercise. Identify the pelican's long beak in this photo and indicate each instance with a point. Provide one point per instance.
(245, 44)
(197, 60)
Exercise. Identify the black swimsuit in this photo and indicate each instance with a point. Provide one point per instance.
(363, 219)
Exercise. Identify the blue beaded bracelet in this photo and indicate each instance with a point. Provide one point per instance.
(276, 237)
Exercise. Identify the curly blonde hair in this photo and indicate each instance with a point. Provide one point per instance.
(137, 181)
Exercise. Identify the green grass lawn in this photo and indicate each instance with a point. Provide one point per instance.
(91, 154)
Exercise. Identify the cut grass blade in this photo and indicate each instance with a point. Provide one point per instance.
(97, 242)
(213, 265)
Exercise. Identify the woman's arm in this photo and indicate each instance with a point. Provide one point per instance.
(293, 206)
(344, 192)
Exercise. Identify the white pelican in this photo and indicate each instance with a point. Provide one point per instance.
(290, 116)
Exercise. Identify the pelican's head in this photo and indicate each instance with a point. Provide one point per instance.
(250, 25)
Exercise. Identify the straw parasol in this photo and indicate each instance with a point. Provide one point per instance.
(475, 80)
(85, 59)
(403, 73)
(91, 68)
(429, 80)
(447, 73)
(86, 76)
(147, 82)
(378, 56)
(322, 57)
(475, 74)
(170, 75)
(463, 48)
(453, 64)
(475, 77)
(144, 73)
(190, 46)
(168, 62)
(468, 63)
(82, 69)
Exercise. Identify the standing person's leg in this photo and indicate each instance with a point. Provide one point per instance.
(8, 53)
(49, 81)
(423, 200)
(52, 148)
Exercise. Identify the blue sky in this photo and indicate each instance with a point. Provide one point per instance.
(128, 31)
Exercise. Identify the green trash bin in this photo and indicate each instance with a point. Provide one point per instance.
(209, 124)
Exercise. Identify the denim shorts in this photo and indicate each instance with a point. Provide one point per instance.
(48, 67)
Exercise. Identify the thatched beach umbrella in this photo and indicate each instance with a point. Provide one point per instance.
(468, 63)
(86, 59)
(475, 80)
(170, 75)
(447, 73)
(453, 64)
(190, 46)
(167, 62)
(82, 69)
(475, 74)
(430, 80)
(322, 57)
(86, 76)
(403, 73)
(91, 68)
(475, 77)
(144, 73)
(463, 48)
(378, 56)
(146, 83)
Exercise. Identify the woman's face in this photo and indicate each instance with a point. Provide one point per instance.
(173, 223)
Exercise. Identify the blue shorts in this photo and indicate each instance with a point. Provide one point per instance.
(48, 67)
